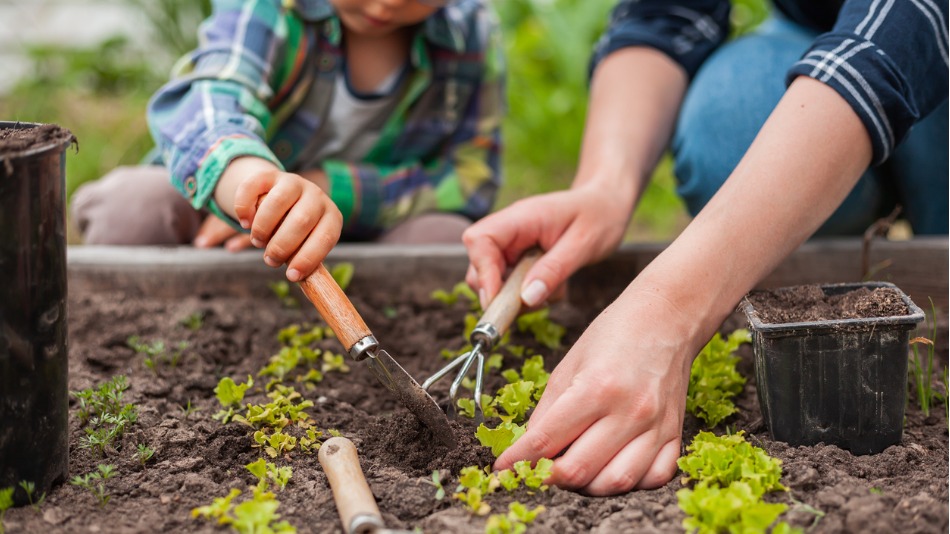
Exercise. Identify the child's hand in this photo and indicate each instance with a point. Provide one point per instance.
(296, 222)
(214, 232)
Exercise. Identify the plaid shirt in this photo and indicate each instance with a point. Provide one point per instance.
(241, 93)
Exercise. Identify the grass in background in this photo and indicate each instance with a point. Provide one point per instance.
(100, 94)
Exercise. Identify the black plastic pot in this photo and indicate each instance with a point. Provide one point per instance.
(33, 353)
(840, 382)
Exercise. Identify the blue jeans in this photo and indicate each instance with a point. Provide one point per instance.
(736, 90)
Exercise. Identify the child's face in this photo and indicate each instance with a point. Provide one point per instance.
(381, 17)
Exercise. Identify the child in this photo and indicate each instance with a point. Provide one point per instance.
(301, 120)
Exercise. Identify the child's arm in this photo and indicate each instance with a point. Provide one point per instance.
(216, 109)
(286, 213)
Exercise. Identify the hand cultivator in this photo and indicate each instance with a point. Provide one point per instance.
(493, 324)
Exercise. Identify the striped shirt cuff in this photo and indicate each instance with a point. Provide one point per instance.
(868, 80)
(213, 165)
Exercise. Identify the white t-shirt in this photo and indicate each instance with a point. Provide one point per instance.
(355, 121)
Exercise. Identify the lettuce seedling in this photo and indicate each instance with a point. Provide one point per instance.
(516, 521)
(281, 290)
(731, 477)
(534, 477)
(230, 395)
(500, 437)
(268, 473)
(714, 380)
(545, 331)
(343, 274)
(219, 509)
(460, 289)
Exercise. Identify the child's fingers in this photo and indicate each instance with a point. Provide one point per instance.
(212, 232)
(318, 244)
(237, 243)
(275, 206)
(248, 193)
(295, 227)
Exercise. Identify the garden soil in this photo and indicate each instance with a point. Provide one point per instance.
(197, 458)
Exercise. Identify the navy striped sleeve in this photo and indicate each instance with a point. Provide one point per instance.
(685, 30)
(888, 59)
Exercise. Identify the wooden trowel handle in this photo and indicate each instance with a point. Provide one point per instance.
(505, 306)
(354, 499)
(334, 306)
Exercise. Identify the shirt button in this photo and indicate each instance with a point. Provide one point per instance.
(283, 149)
(327, 63)
(191, 185)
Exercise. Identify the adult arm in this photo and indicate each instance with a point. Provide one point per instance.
(640, 69)
(616, 401)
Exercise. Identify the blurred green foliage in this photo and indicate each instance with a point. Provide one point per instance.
(100, 93)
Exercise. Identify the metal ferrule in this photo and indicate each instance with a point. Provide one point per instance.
(486, 334)
(365, 524)
(362, 348)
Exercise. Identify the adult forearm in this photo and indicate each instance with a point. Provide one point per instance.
(635, 97)
(807, 157)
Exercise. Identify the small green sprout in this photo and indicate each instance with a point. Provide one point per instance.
(437, 484)
(30, 489)
(95, 483)
(281, 290)
(189, 409)
(343, 274)
(144, 453)
(106, 415)
(6, 502)
(193, 321)
(268, 473)
(922, 367)
(156, 352)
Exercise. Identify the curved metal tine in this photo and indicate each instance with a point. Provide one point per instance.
(479, 414)
(445, 370)
(475, 353)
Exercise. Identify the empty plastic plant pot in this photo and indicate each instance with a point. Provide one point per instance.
(34, 399)
(838, 381)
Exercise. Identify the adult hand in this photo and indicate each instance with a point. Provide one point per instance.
(616, 401)
(214, 232)
(574, 227)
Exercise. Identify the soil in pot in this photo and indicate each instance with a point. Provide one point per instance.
(197, 458)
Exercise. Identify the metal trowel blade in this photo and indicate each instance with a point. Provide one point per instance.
(412, 396)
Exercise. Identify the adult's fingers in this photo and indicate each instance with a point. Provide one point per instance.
(626, 468)
(591, 451)
(549, 436)
(552, 269)
(664, 466)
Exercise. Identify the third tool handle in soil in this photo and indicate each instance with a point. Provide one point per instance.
(354, 500)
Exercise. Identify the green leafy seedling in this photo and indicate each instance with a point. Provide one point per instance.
(6, 502)
(500, 437)
(281, 290)
(144, 453)
(30, 489)
(189, 409)
(714, 380)
(94, 482)
(193, 321)
(343, 274)
(437, 484)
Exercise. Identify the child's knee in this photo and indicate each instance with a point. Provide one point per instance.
(133, 206)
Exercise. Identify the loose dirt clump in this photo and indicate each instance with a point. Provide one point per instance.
(197, 458)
